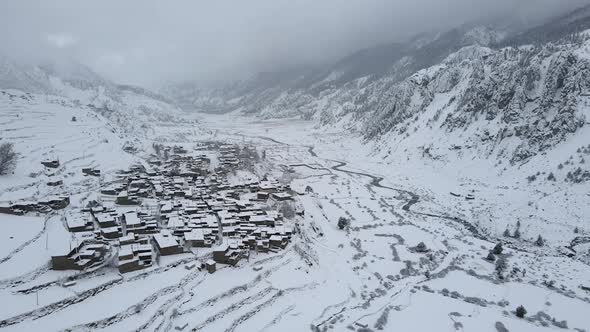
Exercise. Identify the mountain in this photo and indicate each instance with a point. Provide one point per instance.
(22, 77)
(129, 107)
(397, 60)
(65, 111)
(509, 103)
(557, 28)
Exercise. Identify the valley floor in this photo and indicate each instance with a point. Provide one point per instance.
(370, 276)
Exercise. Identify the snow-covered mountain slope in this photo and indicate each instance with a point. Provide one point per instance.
(288, 90)
(70, 114)
(22, 77)
(41, 127)
(509, 104)
(465, 90)
(571, 23)
(86, 132)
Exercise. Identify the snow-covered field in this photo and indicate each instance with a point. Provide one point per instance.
(41, 128)
(371, 276)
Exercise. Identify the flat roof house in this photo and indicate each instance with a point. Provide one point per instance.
(166, 243)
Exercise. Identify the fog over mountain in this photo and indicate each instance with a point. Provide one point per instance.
(146, 42)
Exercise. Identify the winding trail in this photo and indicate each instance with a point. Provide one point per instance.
(29, 242)
(413, 197)
(84, 295)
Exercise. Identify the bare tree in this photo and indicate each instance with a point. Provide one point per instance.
(158, 148)
(286, 178)
(501, 265)
(287, 210)
(7, 158)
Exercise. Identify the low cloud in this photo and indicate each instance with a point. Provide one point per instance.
(152, 41)
(61, 40)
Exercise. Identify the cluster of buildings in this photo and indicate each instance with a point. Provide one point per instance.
(84, 255)
(44, 205)
(47, 204)
(182, 202)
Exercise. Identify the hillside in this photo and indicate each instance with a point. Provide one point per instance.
(70, 114)
(509, 102)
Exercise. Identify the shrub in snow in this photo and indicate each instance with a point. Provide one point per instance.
(551, 177)
(517, 233)
(501, 264)
(7, 158)
(498, 249)
(343, 223)
(157, 149)
(382, 320)
(491, 257)
(520, 311)
(421, 247)
(74, 119)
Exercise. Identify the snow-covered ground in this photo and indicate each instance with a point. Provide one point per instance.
(367, 277)
(42, 128)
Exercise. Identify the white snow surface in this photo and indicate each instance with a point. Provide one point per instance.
(366, 277)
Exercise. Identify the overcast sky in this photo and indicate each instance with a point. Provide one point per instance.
(149, 41)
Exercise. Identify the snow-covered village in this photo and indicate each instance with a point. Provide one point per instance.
(177, 204)
(177, 177)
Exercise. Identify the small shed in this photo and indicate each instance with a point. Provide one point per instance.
(210, 265)
(50, 163)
